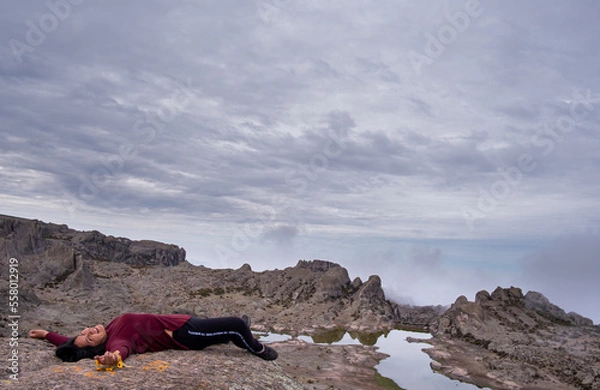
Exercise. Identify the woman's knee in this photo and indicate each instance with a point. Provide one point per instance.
(237, 323)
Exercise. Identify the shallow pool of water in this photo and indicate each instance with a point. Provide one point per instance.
(407, 365)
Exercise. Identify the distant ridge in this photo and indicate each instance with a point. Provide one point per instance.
(26, 237)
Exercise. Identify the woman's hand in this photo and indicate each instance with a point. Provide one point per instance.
(38, 333)
(109, 358)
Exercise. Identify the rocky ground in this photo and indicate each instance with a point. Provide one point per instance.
(102, 290)
(69, 280)
(301, 366)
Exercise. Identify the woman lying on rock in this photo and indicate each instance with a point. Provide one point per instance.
(139, 333)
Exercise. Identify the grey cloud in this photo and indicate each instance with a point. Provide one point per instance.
(421, 105)
(281, 234)
(524, 110)
(426, 257)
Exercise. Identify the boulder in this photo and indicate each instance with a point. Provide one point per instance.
(332, 285)
(81, 279)
(371, 293)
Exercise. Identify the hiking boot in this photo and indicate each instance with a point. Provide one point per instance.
(246, 320)
(267, 353)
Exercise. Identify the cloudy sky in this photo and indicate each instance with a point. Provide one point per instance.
(447, 146)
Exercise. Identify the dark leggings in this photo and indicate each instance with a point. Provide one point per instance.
(199, 333)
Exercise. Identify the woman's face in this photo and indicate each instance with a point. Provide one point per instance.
(91, 337)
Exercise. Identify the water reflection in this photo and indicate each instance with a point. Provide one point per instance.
(408, 366)
(337, 336)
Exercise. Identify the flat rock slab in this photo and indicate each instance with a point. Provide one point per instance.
(301, 365)
(218, 367)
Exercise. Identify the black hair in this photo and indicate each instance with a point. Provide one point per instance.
(69, 352)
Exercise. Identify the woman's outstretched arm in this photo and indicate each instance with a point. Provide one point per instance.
(38, 333)
(54, 338)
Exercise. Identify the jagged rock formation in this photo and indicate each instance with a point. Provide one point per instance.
(52, 255)
(49, 253)
(519, 340)
(317, 289)
(482, 321)
(323, 290)
(539, 303)
(25, 237)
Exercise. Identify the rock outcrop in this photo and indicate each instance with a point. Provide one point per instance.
(505, 309)
(49, 253)
(519, 341)
(315, 289)
(25, 237)
(52, 255)
(540, 304)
